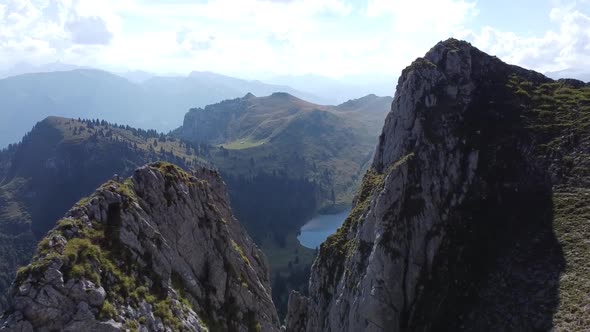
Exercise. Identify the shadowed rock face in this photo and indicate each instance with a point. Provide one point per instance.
(160, 251)
(463, 223)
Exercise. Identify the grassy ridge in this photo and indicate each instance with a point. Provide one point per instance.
(559, 115)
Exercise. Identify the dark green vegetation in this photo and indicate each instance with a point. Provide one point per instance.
(291, 266)
(559, 115)
(158, 103)
(285, 159)
(58, 162)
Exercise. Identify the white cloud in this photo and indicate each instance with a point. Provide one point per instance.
(246, 37)
(91, 30)
(40, 31)
(566, 46)
(434, 16)
(242, 37)
(254, 38)
(194, 41)
(412, 28)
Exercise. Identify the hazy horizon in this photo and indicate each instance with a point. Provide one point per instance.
(359, 41)
(139, 76)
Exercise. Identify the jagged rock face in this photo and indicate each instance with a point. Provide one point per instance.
(454, 227)
(160, 251)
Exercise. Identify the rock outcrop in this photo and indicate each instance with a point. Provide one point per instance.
(472, 216)
(160, 251)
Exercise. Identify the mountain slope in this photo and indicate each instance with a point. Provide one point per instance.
(368, 110)
(58, 162)
(282, 133)
(158, 251)
(471, 217)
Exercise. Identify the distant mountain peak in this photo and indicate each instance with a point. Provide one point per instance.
(51, 119)
(207, 74)
(282, 95)
(368, 99)
(249, 95)
(577, 73)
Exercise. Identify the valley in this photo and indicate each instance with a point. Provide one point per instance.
(273, 189)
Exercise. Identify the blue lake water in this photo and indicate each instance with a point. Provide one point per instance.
(317, 230)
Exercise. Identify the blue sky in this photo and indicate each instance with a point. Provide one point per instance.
(525, 17)
(265, 38)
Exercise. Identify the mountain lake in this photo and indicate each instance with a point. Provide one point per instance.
(317, 230)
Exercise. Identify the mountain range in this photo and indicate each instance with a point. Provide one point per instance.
(155, 103)
(580, 74)
(337, 90)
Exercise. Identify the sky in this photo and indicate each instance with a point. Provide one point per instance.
(267, 38)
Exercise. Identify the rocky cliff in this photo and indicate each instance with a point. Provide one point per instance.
(474, 214)
(160, 251)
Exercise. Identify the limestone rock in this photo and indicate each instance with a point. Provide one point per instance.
(454, 226)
